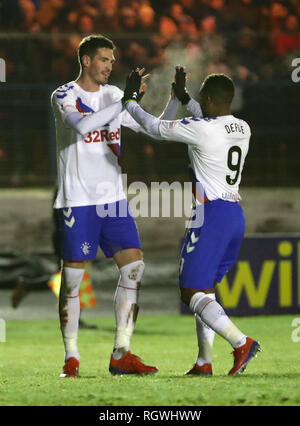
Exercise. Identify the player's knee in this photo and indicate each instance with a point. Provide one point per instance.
(194, 297)
(133, 271)
(198, 302)
(141, 254)
(186, 295)
(72, 264)
(71, 280)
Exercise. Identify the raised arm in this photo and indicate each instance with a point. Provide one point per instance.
(84, 125)
(179, 95)
(67, 108)
(180, 91)
(194, 108)
(148, 123)
(171, 130)
(176, 130)
(171, 109)
(169, 113)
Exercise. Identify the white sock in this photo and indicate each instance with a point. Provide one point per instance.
(213, 315)
(205, 337)
(69, 309)
(126, 305)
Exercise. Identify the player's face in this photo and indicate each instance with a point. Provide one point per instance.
(100, 66)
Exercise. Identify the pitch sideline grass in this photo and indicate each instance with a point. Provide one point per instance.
(32, 357)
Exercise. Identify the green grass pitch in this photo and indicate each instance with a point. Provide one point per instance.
(32, 356)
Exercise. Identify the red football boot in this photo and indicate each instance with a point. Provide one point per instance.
(243, 355)
(203, 370)
(71, 368)
(130, 364)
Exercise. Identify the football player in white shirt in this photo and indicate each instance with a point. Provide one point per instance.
(217, 146)
(93, 209)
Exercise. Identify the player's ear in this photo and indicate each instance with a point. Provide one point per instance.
(85, 60)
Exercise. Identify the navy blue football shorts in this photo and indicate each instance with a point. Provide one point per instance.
(109, 226)
(209, 251)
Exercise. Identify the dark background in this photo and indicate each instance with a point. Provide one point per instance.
(252, 41)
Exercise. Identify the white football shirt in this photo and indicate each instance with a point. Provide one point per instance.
(217, 149)
(88, 166)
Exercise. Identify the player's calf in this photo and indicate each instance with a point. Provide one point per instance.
(126, 305)
(69, 309)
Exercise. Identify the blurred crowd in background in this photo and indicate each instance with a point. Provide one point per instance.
(248, 39)
(252, 41)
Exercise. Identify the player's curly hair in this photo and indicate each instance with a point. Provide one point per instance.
(90, 44)
(219, 87)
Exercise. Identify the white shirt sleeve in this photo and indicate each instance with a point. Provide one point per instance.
(63, 103)
(66, 105)
(84, 125)
(183, 130)
(173, 130)
(194, 108)
(146, 121)
(171, 109)
(169, 113)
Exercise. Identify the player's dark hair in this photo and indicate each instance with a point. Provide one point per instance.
(90, 44)
(219, 87)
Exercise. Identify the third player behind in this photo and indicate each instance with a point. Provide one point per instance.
(217, 146)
